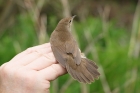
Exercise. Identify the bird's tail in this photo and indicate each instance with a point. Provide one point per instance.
(86, 72)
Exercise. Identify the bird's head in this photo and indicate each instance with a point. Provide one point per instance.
(66, 22)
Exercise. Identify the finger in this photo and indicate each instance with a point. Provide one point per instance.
(42, 62)
(52, 72)
(41, 46)
(44, 51)
(29, 50)
(27, 59)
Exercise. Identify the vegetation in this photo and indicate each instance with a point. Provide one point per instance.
(113, 47)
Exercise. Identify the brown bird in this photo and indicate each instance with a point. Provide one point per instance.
(67, 53)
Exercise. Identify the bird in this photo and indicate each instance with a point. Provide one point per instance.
(67, 53)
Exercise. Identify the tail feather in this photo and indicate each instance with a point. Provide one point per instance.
(77, 77)
(91, 63)
(86, 72)
(92, 70)
(84, 78)
(80, 76)
(72, 73)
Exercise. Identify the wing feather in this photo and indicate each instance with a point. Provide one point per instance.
(72, 47)
(60, 54)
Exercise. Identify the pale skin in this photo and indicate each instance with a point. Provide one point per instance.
(30, 71)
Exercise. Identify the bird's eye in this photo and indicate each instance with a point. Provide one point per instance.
(70, 21)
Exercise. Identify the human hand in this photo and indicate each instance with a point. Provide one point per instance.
(30, 71)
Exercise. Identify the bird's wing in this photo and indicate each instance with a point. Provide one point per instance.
(60, 54)
(72, 47)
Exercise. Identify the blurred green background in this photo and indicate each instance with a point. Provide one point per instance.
(108, 32)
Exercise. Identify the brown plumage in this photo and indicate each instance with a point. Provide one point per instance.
(66, 52)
